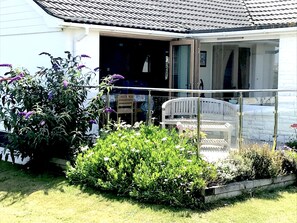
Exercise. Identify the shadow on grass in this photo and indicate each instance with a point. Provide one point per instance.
(16, 182)
(187, 212)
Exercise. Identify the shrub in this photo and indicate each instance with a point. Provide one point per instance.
(234, 168)
(293, 141)
(46, 113)
(266, 163)
(147, 163)
(253, 162)
(292, 144)
(289, 164)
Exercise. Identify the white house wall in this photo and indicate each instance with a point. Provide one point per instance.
(206, 72)
(24, 16)
(24, 50)
(259, 124)
(262, 63)
(287, 78)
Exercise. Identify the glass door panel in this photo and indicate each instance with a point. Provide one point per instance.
(182, 66)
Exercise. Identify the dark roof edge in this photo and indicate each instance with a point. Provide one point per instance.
(247, 28)
(47, 11)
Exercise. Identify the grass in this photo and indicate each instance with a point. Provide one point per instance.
(26, 197)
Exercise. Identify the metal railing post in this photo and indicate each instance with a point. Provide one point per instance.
(198, 126)
(149, 114)
(108, 105)
(275, 121)
(240, 116)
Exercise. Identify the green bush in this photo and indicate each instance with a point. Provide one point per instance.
(289, 164)
(254, 162)
(147, 163)
(266, 163)
(234, 168)
(292, 144)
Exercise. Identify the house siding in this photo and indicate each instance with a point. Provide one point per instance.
(20, 17)
(259, 125)
(287, 78)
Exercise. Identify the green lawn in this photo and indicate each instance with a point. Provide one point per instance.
(30, 198)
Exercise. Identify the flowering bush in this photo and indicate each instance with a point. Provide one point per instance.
(46, 113)
(234, 168)
(293, 142)
(255, 162)
(145, 162)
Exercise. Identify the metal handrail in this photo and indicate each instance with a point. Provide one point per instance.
(199, 92)
(192, 90)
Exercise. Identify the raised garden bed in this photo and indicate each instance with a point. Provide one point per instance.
(238, 188)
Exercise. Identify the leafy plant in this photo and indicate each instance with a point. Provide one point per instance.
(266, 163)
(293, 142)
(252, 162)
(234, 168)
(47, 113)
(289, 164)
(144, 162)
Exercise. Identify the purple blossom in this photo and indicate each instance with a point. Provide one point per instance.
(6, 65)
(92, 121)
(50, 95)
(16, 78)
(42, 123)
(85, 55)
(22, 113)
(29, 114)
(115, 77)
(65, 84)
(80, 67)
(108, 110)
(56, 67)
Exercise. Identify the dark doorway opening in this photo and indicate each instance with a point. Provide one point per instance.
(142, 62)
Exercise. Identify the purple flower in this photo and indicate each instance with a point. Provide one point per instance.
(65, 84)
(29, 114)
(16, 78)
(115, 77)
(92, 121)
(85, 55)
(42, 123)
(6, 65)
(80, 67)
(22, 113)
(50, 95)
(56, 67)
(109, 110)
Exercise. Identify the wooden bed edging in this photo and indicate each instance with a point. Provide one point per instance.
(238, 188)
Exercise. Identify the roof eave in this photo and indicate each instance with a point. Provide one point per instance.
(246, 28)
(126, 31)
(244, 34)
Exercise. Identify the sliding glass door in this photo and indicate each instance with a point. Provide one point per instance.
(183, 74)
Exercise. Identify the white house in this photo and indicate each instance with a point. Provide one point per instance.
(229, 44)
